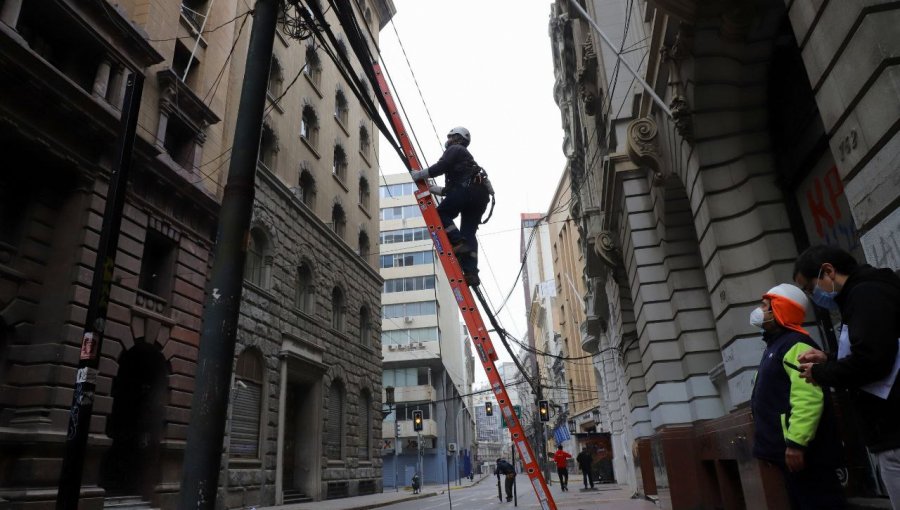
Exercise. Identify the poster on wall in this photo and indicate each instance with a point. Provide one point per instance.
(825, 209)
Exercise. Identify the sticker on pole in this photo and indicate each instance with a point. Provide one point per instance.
(86, 375)
(88, 346)
(523, 452)
(437, 242)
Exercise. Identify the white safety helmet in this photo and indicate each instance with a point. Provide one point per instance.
(463, 132)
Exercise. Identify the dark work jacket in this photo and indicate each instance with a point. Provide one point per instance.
(788, 411)
(870, 308)
(504, 468)
(457, 165)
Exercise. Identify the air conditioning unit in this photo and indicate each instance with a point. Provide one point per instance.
(421, 345)
(392, 347)
(408, 319)
(451, 447)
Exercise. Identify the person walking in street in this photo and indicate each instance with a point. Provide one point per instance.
(561, 458)
(509, 473)
(466, 192)
(585, 459)
(793, 420)
(868, 356)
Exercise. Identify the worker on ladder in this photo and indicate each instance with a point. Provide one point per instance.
(466, 192)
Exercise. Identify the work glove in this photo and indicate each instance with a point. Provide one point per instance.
(419, 175)
(436, 190)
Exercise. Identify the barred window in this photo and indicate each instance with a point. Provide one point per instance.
(335, 434)
(247, 405)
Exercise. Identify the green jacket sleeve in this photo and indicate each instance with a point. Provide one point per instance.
(806, 402)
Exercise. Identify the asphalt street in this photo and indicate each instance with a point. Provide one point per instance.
(484, 496)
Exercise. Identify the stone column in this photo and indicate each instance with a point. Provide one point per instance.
(10, 11)
(279, 448)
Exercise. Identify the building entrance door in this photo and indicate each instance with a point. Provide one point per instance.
(136, 423)
(300, 471)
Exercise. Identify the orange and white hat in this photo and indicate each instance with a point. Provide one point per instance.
(788, 306)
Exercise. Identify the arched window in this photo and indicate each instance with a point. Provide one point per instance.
(268, 147)
(338, 220)
(364, 193)
(339, 168)
(364, 141)
(306, 291)
(309, 126)
(247, 401)
(313, 69)
(341, 107)
(307, 188)
(257, 251)
(334, 441)
(365, 425)
(342, 47)
(337, 309)
(276, 78)
(363, 245)
(365, 326)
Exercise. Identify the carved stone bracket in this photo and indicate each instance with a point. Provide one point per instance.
(587, 77)
(674, 55)
(643, 148)
(605, 246)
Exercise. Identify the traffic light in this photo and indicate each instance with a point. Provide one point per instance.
(544, 409)
(488, 409)
(417, 421)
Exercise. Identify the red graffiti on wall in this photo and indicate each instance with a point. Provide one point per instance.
(825, 217)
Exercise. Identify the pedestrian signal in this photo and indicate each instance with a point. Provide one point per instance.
(488, 409)
(417, 421)
(544, 409)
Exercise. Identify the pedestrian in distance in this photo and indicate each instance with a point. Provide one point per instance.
(561, 458)
(585, 459)
(868, 356)
(509, 472)
(466, 193)
(416, 485)
(793, 420)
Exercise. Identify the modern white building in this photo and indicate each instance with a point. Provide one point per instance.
(425, 351)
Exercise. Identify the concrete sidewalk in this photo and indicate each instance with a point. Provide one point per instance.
(389, 497)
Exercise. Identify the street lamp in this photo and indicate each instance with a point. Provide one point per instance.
(389, 400)
(572, 427)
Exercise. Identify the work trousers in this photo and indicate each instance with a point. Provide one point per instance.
(889, 467)
(587, 477)
(563, 477)
(814, 488)
(469, 203)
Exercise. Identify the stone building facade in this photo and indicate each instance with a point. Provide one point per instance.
(307, 365)
(781, 132)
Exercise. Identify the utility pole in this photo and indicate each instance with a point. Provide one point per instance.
(82, 408)
(202, 455)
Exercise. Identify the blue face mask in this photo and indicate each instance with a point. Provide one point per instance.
(823, 298)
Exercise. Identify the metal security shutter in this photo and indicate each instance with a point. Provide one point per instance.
(245, 420)
(335, 423)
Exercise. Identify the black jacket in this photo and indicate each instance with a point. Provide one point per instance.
(504, 468)
(457, 165)
(870, 308)
(788, 411)
(584, 460)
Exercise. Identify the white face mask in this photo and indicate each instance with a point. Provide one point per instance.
(758, 318)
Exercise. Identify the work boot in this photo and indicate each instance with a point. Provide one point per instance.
(472, 279)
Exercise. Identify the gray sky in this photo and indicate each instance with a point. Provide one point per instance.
(485, 65)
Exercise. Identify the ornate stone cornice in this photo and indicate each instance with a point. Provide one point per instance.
(587, 77)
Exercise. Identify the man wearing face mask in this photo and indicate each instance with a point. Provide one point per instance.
(793, 420)
(466, 194)
(867, 360)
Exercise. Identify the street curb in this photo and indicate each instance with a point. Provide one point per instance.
(393, 502)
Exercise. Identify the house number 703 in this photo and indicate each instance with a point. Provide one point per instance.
(848, 144)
